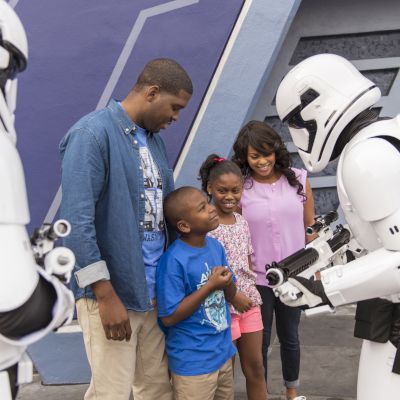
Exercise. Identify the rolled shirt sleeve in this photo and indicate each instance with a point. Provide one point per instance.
(83, 178)
(92, 273)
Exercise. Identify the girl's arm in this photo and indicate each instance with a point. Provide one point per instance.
(241, 302)
(309, 211)
(230, 292)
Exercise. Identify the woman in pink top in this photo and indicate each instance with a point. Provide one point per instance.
(223, 182)
(277, 203)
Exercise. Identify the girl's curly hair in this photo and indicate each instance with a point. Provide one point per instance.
(265, 140)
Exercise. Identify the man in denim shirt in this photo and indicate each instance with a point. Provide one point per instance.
(115, 175)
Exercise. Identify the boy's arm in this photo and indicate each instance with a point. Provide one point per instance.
(219, 279)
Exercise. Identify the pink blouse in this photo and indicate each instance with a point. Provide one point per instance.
(236, 240)
(275, 214)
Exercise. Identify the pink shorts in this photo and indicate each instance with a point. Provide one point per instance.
(248, 322)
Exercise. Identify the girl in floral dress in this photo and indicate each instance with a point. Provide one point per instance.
(223, 182)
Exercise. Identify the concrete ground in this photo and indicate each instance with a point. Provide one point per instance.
(328, 370)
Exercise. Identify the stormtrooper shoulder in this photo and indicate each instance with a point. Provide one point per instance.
(371, 179)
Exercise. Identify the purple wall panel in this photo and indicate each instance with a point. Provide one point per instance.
(74, 46)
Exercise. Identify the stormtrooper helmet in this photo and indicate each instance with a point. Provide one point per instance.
(318, 98)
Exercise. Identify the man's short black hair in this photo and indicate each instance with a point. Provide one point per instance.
(167, 74)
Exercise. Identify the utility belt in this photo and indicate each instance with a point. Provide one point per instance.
(378, 320)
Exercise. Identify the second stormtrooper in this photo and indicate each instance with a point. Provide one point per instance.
(33, 298)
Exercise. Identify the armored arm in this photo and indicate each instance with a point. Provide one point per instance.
(373, 189)
(329, 248)
(371, 177)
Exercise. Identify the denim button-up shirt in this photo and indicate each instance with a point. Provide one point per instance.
(103, 199)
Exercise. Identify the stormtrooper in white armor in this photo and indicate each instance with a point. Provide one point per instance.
(33, 297)
(327, 104)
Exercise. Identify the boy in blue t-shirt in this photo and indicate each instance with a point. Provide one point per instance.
(193, 280)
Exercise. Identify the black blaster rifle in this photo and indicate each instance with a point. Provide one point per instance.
(329, 248)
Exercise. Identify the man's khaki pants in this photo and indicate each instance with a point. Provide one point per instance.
(119, 367)
(216, 385)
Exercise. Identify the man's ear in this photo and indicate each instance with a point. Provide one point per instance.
(183, 226)
(152, 92)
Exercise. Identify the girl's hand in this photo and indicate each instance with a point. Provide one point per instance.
(241, 302)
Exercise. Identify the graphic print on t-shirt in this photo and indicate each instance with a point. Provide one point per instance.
(153, 218)
(214, 304)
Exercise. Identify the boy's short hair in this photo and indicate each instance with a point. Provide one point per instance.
(167, 74)
(175, 204)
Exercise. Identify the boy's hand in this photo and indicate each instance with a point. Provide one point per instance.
(241, 302)
(220, 278)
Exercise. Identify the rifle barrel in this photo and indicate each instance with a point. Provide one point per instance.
(304, 258)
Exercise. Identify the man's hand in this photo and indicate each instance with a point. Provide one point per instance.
(241, 302)
(220, 278)
(311, 294)
(113, 313)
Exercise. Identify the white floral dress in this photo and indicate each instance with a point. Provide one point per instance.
(237, 243)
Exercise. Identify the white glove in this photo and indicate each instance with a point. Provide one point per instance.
(311, 294)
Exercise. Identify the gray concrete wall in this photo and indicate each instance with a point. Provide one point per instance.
(234, 91)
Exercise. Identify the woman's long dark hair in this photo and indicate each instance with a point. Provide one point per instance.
(265, 140)
(213, 167)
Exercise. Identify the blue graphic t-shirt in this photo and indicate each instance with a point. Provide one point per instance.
(154, 237)
(202, 343)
